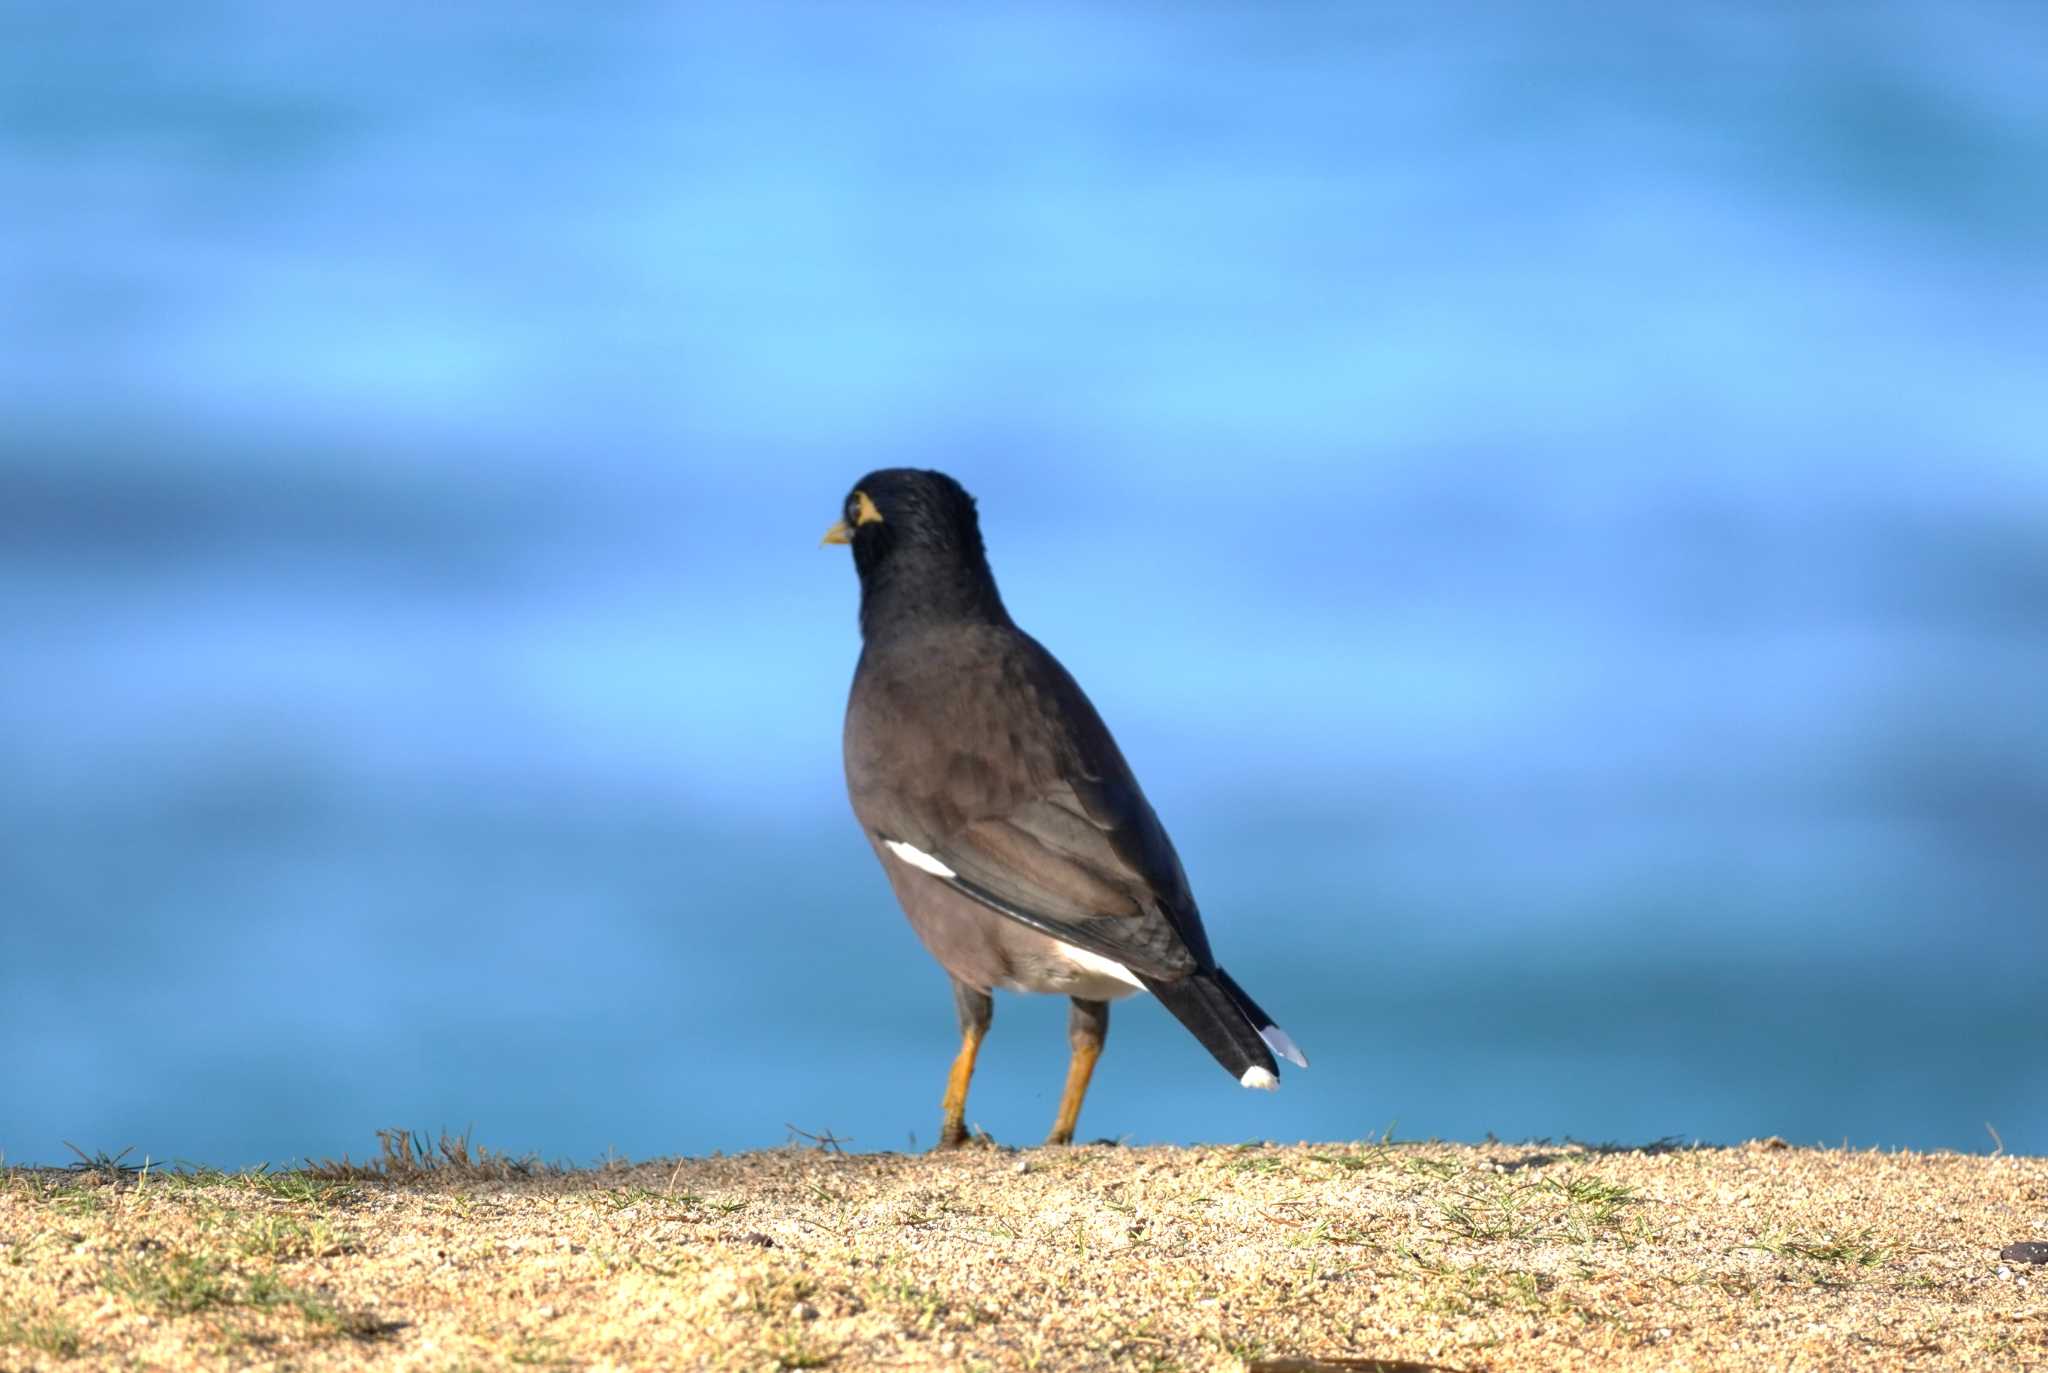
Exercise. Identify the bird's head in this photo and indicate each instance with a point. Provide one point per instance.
(916, 539)
(906, 509)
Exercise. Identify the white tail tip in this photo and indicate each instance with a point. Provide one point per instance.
(1280, 1043)
(1261, 1079)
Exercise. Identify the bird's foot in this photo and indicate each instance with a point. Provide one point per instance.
(953, 1136)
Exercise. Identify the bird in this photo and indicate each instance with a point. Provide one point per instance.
(1009, 825)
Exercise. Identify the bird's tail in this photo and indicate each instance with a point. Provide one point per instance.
(1230, 1025)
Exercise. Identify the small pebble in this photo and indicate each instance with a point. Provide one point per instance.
(804, 1311)
(1023, 1166)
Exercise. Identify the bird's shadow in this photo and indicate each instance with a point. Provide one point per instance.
(1543, 1153)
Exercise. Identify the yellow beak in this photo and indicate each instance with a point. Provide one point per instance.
(864, 512)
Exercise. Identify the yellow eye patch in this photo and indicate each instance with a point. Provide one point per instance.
(864, 512)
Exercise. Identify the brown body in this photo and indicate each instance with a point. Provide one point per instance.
(910, 767)
(1015, 837)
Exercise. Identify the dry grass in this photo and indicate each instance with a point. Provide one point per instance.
(1380, 1255)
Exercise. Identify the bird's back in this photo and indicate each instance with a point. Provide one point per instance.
(978, 729)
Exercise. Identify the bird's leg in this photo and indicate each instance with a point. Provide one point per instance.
(976, 1009)
(1087, 1027)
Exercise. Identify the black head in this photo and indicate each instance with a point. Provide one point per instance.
(917, 547)
(905, 507)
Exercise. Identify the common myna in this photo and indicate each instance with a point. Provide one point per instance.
(1003, 812)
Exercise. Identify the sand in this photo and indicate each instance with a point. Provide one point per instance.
(1418, 1256)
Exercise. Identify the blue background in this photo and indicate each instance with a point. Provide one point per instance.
(1551, 499)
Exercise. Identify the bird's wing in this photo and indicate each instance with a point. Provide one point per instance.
(1085, 874)
(1018, 797)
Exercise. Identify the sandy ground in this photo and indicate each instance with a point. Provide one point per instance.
(1407, 1256)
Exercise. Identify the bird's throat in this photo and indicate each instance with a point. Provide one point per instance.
(917, 587)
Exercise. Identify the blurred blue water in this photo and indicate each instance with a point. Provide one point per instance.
(1553, 504)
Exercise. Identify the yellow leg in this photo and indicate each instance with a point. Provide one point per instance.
(1079, 1070)
(953, 1127)
(1087, 1027)
(975, 1010)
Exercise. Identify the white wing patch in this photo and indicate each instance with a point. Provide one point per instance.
(1080, 958)
(1261, 1079)
(1097, 964)
(918, 858)
(1282, 1044)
